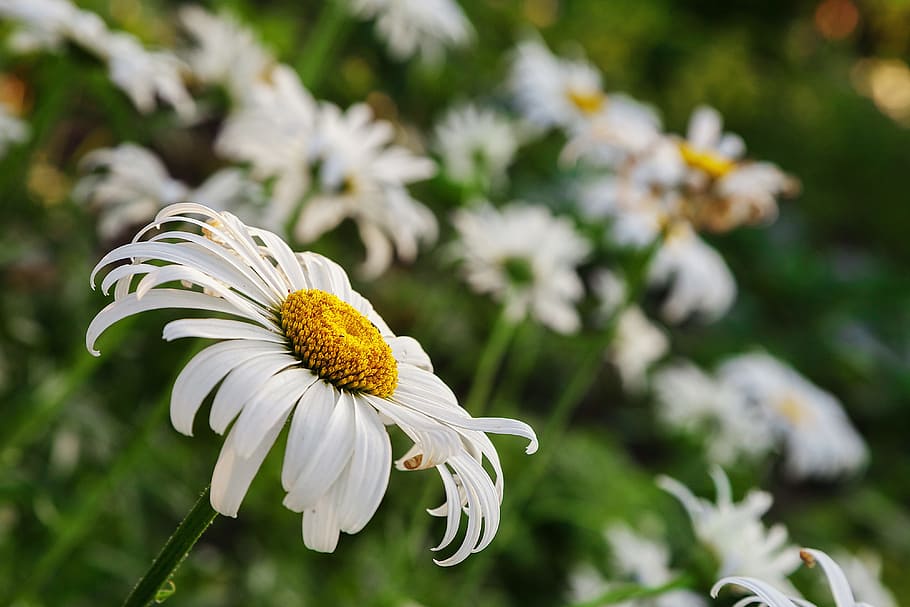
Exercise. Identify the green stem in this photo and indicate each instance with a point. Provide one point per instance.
(325, 37)
(630, 592)
(488, 364)
(175, 550)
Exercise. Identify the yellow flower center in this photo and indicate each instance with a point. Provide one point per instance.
(588, 102)
(339, 343)
(712, 164)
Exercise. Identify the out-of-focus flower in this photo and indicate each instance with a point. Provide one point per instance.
(735, 534)
(637, 215)
(129, 184)
(476, 145)
(225, 52)
(771, 595)
(361, 175)
(412, 27)
(622, 130)
(690, 400)
(550, 91)
(637, 344)
(863, 572)
(525, 258)
(611, 292)
(12, 130)
(820, 440)
(43, 23)
(700, 283)
(301, 341)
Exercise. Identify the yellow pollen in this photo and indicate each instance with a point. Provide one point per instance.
(588, 102)
(712, 164)
(339, 343)
(793, 410)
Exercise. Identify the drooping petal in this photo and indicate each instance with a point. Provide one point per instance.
(242, 384)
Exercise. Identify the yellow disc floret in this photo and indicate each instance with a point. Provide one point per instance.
(339, 343)
(589, 102)
(714, 165)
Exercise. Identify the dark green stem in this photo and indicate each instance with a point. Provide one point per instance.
(488, 364)
(324, 38)
(175, 550)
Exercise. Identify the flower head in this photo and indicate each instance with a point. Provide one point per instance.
(412, 27)
(819, 438)
(476, 145)
(771, 595)
(637, 344)
(301, 344)
(735, 534)
(525, 258)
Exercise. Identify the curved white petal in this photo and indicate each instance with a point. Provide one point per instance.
(243, 383)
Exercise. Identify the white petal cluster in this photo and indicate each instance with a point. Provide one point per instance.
(12, 130)
(338, 455)
(416, 27)
(525, 258)
(637, 344)
(771, 595)
(734, 533)
(819, 440)
(145, 76)
(129, 184)
(225, 52)
(690, 400)
(476, 145)
(330, 165)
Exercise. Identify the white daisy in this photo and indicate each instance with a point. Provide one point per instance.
(622, 130)
(525, 258)
(273, 132)
(13, 130)
(225, 52)
(700, 283)
(863, 572)
(550, 91)
(42, 23)
(360, 175)
(690, 400)
(735, 534)
(770, 594)
(820, 440)
(129, 184)
(637, 344)
(637, 215)
(302, 344)
(477, 145)
(412, 27)
(611, 291)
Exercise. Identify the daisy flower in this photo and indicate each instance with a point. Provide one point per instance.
(361, 175)
(637, 344)
(129, 184)
(690, 400)
(525, 258)
(770, 595)
(636, 214)
(477, 145)
(819, 439)
(621, 131)
(416, 27)
(12, 130)
(225, 52)
(735, 534)
(42, 23)
(554, 92)
(301, 344)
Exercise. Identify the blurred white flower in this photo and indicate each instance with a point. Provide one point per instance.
(771, 595)
(863, 572)
(412, 27)
(361, 175)
(13, 130)
(477, 145)
(611, 292)
(646, 562)
(129, 184)
(637, 344)
(637, 214)
(550, 91)
(622, 130)
(225, 52)
(301, 344)
(699, 281)
(690, 400)
(42, 23)
(525, 258)
(734, 533)
(820, 440)
(586, 583)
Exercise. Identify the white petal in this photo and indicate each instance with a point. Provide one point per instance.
(840, 587)
(320, 526)
(308, 424)
(770, 595)
(219, 328)
(242, 384)
(408, 350)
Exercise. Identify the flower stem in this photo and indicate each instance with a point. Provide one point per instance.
(324, 38)
(175, 550)
(490, 360)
